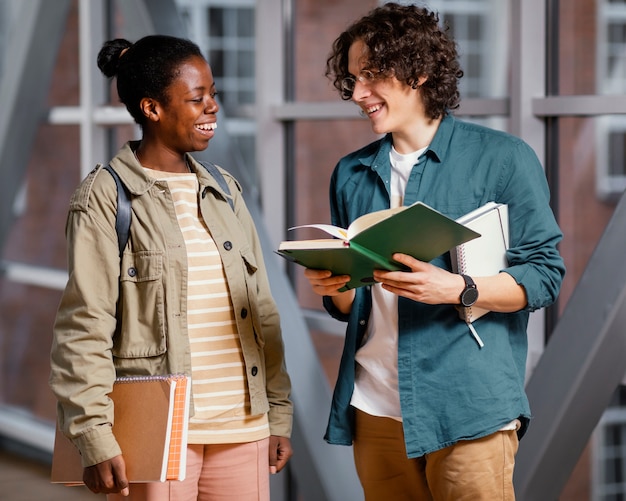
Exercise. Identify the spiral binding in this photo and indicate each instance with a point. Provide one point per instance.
(460, 256)
(156, 377)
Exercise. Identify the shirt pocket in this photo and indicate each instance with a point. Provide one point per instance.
(142, 310)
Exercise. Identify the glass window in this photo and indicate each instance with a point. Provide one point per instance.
(225, 31)
(592, 47)
(482, 35)
(609, 457)
(230, 43)
(592, 176)
(617, 140)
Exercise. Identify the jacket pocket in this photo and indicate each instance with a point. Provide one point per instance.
(249, 264)
(141, 307)
(250, 268)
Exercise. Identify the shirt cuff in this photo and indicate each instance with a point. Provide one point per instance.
(97, 445)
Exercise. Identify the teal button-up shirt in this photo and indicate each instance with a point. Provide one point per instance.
(450, 388)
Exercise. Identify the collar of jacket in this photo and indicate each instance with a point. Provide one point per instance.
(138, 182)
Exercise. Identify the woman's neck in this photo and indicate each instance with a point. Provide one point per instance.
(161, 159)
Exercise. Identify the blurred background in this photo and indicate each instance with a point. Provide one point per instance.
(552, 72)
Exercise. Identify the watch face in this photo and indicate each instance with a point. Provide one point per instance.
(469, 296)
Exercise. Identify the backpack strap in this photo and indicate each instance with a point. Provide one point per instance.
(219, 177)
(123, 216)
(124, 213)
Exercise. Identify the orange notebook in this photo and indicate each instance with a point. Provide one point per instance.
(150, 424)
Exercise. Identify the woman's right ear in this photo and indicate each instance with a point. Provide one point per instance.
(149, 107)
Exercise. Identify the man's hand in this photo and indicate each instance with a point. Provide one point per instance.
(425, 282)
(324, 283)
(280, 452)
(108, 477)
(430, 284)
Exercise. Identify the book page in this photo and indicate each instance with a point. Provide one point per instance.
(177, 458)
(168, 430)
(318, 243)
(370, 219)
(358, 225)
(334, 231)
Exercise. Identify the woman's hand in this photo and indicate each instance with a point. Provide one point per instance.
(108, 477)
(280, 452)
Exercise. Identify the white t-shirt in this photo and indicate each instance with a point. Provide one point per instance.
(376, 384)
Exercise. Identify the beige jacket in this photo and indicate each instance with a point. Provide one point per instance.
(109, 325)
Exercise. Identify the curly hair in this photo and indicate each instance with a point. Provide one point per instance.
(144, 69)
(407, 42)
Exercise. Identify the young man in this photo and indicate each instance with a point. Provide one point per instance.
(431, 414)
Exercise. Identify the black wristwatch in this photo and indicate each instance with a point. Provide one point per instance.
(469, 295)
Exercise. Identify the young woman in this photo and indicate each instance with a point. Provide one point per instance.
(431, 414)
(189, 294)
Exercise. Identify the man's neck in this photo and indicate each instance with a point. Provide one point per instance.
(416, 137)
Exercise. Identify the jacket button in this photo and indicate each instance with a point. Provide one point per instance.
(361, 322)
(254, 370)
(228, 245)
(244, 312)
(132, 271)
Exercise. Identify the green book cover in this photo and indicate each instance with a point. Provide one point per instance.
(368, 244)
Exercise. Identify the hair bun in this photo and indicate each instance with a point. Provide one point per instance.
(110, 54)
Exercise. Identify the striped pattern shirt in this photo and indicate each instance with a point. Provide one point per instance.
(219, 387)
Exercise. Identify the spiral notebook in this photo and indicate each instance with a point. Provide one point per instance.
(151, 417)
(483, 256)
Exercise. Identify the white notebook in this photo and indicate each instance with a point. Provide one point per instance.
(485, 255)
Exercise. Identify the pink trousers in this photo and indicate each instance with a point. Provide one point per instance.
(214, 473)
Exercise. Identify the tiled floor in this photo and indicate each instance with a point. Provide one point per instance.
(24, 478)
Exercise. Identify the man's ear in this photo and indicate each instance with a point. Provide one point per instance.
(420, 81)
(150, 108)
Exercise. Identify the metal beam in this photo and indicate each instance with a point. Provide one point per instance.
(273, 20)
(579, 106)
(583, 363)
(332, 110)
(23, 93)
(92, 85)
(528, 35)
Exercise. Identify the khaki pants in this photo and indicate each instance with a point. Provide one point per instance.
(214, 473)
(473, 470)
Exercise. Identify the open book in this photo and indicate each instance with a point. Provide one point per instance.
(151, 417)
(369, 242)
(484, 256)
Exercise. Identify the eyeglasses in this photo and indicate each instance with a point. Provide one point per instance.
(365, 77)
